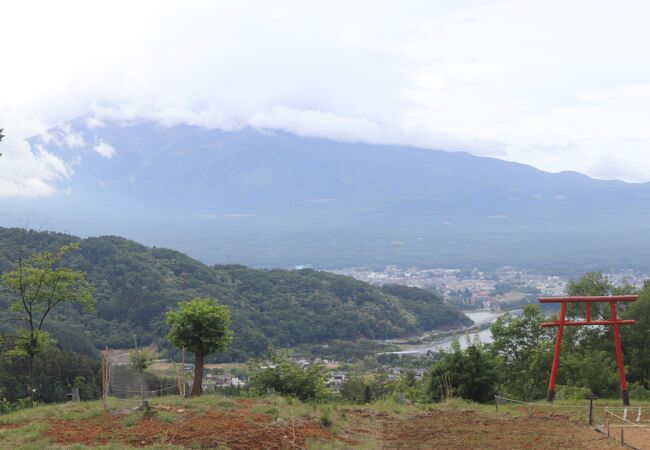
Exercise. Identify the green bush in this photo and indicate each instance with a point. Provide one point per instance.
(325, 420)
(284, 376)
(639, 392)
(470, 374)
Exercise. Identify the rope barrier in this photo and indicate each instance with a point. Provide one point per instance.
(543, 405)
(553, 405)
(632, 424)
(146, 392)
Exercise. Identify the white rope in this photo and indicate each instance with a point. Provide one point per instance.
(625, 420)
(146, 392)
(551, 405)
(544, 405)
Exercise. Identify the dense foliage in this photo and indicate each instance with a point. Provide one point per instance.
(56, 372)
(201, 327)
(471, 374)
(135, 286)
(518, 361)
(40, 284)
(279, 373)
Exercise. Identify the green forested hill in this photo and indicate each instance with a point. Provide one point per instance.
(135, 285)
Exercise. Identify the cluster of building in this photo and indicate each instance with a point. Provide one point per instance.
(503, 288)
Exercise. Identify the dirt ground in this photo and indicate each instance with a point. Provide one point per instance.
(636, 437)
(234, 428)
(471, 430)
(243, 426)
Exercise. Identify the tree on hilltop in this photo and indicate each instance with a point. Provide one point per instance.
(201, 327)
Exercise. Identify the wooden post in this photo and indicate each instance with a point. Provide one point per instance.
(496, 402)
(183, 368)
(591, 398)
(622, 436)
(105, 379)
(103, 383)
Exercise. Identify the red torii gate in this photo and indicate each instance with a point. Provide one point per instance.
(614, 321)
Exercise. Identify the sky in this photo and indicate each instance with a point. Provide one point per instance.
(558, 85)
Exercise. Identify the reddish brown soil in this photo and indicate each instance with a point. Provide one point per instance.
(636, 437)
(243, 428)
(236, 428)
(455, 430)
(11, 426)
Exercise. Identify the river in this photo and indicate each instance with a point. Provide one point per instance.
(479, 318)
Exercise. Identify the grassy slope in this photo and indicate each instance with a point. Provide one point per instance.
(275, 420)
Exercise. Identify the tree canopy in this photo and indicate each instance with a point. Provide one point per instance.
(202, 327)
(41, 282)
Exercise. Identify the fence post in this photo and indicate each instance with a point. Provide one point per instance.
(622, 438)
(496, 402)
(591, 398)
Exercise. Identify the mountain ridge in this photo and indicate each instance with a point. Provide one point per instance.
(136, 285)
(273, 199)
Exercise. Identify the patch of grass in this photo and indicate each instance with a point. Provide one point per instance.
(272, 411)
(132, 419)
(29, 437)
(325, 419)
(167, 417)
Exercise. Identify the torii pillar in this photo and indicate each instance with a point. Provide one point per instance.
(614, 321)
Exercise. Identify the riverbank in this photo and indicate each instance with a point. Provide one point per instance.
(435, 342)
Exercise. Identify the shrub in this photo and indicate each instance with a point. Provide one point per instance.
(325, 420)
(284, 376)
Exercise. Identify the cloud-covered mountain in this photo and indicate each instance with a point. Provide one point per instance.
(276, 199)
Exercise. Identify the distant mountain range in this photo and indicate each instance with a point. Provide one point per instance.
(275, 199)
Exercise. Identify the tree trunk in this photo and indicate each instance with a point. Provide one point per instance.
(197, 385)
(30, 386)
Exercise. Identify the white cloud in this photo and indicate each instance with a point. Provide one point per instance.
(559, 85)
(319, 124)
(71, 139)
(29, 172)
(105, 150)
(94, 122)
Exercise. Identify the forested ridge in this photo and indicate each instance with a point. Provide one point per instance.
(135, 285)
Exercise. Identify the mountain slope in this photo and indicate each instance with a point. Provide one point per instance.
(136, 285)
(275, 199)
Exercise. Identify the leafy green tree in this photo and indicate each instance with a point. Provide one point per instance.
(140, 361)
(594, 370)
(636, 338)
(591, 283)
(588, 359)
(353, 388)
(201, 327)
(42, 282)
(471, 374)
(525, 350)
(287, 377)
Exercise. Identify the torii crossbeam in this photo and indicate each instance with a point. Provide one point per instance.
(614, 321)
